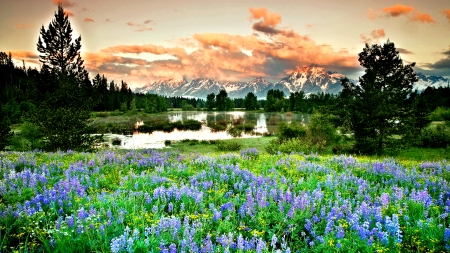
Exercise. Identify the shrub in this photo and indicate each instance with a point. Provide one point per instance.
(235, 131)
(238, 121)
(288, 131)
(274, 120)
(227, 146)
(438, 137)
(167, 143)
(116, 141)
(191, 124)
(216, 126)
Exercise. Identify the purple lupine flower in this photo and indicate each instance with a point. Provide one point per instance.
(260, 246)
(240, 242)
(273, 242)
(172, 248)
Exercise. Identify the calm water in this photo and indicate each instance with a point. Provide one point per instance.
(264, 123)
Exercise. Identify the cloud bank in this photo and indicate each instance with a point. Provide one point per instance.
(270, 51)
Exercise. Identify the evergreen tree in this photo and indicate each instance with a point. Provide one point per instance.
(58, 52)
(210, 101)
(63, 114)
(251, 101)
(221, 100)
(377, 107)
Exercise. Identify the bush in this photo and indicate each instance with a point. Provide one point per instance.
(167, 143)
(235, 131)
(216, 126)
(288, 131)
(116, 141)
(319, 137)
(227, 146)
(439, 114)
(438, 137)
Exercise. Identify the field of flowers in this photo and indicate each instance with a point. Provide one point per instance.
(166, 201)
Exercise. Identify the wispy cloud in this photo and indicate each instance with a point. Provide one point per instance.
(447, 14)
(423, 17)
(22, 26)
(375, 35)
(88, 20)
(141, 27)
(68, 13)
(404, 51)
(398, 10)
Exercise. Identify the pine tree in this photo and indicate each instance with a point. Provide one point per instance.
(377, 108)
(58, 52)
(63, 114)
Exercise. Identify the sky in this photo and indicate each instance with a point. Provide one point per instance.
(140, 41)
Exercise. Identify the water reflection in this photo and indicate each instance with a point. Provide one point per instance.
(264, 123)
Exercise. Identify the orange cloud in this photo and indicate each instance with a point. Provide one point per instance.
(68, 13)
(20, 26)
(397, 10)
(24, 55)
(447, 14)
(423, 17)
(226, 57)
(88, 20)
(376, 34)
(269, 20)
(65, 3)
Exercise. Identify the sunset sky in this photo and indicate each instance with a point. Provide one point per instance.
(139, 41)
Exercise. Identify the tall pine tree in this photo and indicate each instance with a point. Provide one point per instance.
(58, 52)
(377, 108)
(63, 115)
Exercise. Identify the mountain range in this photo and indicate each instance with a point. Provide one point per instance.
(307, 79)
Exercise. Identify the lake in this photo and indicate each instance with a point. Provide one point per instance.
(264, 123)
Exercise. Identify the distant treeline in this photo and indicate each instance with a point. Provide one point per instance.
(23, 88)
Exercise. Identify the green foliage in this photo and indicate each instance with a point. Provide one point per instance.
(210, 101)
(227, 146)
(288, 131)
(251, 102)
(5, 130)
(29, 138)
(377, 108)
(187, 107)
(437, 137)
(123, 107)
(219, 125)
(440, 114)
(275, 101)
(320, 136)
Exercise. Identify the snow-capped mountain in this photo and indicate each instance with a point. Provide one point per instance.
(430, 81)
(164, 86)
(311, 80)
(308, 79)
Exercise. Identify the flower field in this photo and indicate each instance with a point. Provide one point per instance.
(167, 201)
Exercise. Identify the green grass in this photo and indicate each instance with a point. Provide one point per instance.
(205, 147)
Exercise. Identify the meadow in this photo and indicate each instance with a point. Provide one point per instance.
(247, 201)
